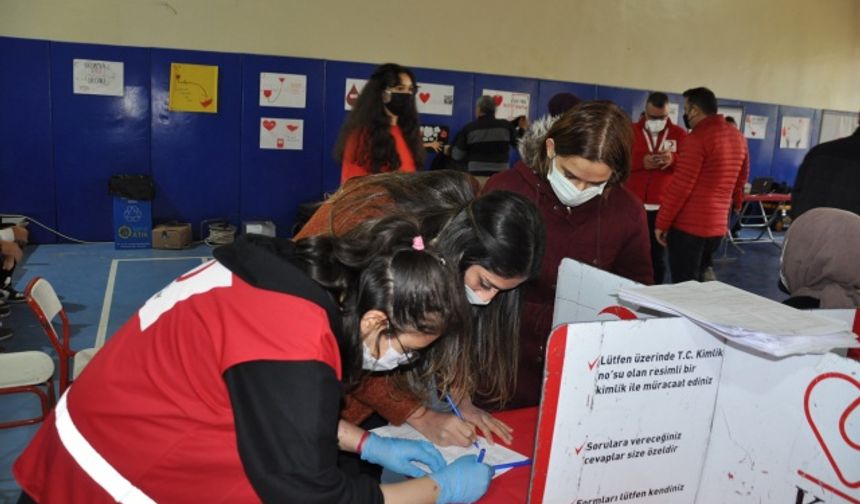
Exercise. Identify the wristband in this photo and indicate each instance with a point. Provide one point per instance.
(361, 442)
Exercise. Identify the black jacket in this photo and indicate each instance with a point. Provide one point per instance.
(829, 177)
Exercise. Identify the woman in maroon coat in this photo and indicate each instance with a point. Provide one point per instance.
(572, 169)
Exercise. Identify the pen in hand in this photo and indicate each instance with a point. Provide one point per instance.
(458, 414)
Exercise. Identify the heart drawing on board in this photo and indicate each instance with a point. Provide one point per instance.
(267, 93)
(497, 99)
(268, 124)
(425, 97)
(206, 102)
(292, 127)
(831, 427)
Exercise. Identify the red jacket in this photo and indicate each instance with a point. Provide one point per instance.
(350, 167)
(710, 174)
(609, 232)
(650, 184)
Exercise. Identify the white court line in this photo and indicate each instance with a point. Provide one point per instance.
(111, 283)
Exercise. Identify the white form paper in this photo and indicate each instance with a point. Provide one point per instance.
(745, 318)
(495, 454)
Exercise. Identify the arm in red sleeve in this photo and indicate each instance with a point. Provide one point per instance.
(687, 170)
(349, 166)
(744, 174)
(381, 395)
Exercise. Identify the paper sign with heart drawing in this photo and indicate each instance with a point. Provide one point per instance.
(281, 134)
(437, 99)
(283, 90)
(832, 408)
(509, 104)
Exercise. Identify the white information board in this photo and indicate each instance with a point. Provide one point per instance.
(662, 411)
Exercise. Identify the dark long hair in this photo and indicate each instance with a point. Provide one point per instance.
(502, 232)
(376, 267)
(375, 147)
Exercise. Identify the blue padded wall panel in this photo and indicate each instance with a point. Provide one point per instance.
(631, 100)
(96, 137)
(463, 110)
(336, 73)
(549, 88)
(513, 84)
(196, 156)
(275, 182)
(26, 154)
(761, 150)
(786, 162)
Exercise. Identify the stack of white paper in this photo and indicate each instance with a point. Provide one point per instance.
(746, 318)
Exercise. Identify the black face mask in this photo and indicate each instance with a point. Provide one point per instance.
(686, 121)
(399, 103)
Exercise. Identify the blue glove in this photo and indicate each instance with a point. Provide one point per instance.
(397, 455)
(465, 480)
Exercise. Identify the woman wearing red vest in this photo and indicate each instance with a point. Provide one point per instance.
(226, 386)
(381, 133)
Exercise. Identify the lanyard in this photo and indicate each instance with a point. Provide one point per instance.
(648, 141)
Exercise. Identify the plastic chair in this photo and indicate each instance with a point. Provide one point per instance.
(27, 372)
(47, 306)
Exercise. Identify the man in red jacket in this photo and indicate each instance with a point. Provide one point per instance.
(710, 173)
(655, 148)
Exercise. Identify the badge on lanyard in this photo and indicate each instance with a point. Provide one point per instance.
(669, 146)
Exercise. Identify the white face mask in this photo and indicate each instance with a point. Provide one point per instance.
(474, 299)
(655, 125)
(388, 361)
(567, 193)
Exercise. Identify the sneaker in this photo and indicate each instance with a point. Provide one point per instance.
(5, 333)
(12, 296)
(709, 275)
(5, 311)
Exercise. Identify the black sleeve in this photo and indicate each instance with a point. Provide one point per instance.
(286, 416)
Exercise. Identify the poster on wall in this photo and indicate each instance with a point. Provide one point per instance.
(794, 133)
(755, 126)
(353, 89)
(837, 125)
(736, 113)
(435, 99)
(283, 90)
(281, 134)
(674, 111)
(193, 88)
(509, 104)
(94, 77)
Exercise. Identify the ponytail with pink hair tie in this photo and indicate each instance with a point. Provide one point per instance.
(418, 243)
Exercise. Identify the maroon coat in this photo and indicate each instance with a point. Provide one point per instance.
(609, 232)
(710, 174)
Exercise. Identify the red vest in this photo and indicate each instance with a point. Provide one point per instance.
(153, 403)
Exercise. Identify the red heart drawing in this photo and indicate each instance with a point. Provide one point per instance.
(268, 124)
(267, 93)
(352, 96)
(281, 79)
(841, 425)
(424, 97)
(206, 102)
(280, 143)
(498, 99)
(292, 127)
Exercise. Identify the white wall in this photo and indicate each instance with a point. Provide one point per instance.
(794, 52)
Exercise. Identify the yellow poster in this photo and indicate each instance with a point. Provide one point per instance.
(193, 88)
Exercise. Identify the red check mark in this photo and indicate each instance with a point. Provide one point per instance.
(593, 363)
(580, 448)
